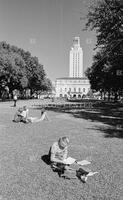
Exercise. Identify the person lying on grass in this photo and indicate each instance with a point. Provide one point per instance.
(22, 116)
(58, 157)
(44, 116)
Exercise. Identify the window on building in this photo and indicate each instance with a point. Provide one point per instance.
(60, 89)
(65, 89)
(83, 89)
(61, 95)
(74, 89)
(79, 89)
(69, 89)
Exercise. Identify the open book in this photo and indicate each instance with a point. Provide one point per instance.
(92, 173)
(69, 160)
(83, 162)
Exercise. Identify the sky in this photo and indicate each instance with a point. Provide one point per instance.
(47, 28)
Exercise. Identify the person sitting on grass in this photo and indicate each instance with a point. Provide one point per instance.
(17, 116)
(22, 116)
(58, 155)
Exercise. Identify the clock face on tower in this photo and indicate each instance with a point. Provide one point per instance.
(76, 41)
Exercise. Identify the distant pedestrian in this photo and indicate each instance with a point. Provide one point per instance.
(52, 99)
(15, 99)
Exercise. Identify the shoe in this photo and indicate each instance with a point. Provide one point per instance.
(82, 172)
(83, 178)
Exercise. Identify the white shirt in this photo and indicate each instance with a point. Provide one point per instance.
(24, 113)
(60, 154)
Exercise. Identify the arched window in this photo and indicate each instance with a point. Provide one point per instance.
(83, 89)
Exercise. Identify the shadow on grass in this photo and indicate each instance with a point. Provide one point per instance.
(110, 114)
(46, 159)
(109, 132)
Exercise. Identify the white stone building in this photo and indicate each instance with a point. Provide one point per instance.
(76, 85)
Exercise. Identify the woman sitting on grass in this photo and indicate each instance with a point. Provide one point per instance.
(21, 115)
(58, 157)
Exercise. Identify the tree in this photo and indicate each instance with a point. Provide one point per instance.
(12, 69)
(106, 19)
(35, 73)
(19, 70)
(47, 85)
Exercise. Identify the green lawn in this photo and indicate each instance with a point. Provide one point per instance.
(25, 176)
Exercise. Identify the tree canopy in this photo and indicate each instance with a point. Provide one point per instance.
(20, 70)
(106, 18)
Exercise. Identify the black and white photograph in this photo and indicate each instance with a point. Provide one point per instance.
(61, 99)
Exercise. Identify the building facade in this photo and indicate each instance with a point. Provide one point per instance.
(72, 87)
(76, 85)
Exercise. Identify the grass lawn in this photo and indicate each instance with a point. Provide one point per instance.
(25, 176)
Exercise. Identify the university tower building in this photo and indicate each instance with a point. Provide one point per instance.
(76, 85)
(76, 60)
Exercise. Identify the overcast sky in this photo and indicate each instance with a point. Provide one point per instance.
(46, 28)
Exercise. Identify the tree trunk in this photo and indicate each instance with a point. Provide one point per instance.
(104, 95)
(115, 97)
